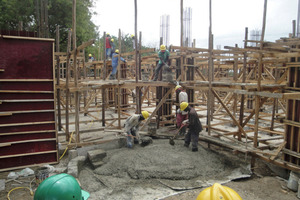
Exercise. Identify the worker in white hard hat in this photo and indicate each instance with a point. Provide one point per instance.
(194, 125)
(218, 192)
(181, 115)
(163, 56)
(132, 124)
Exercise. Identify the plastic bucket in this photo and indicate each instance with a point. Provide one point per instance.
(293, 182)
(152, 128)
(41, 174)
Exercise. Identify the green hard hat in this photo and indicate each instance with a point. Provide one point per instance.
(60, 187)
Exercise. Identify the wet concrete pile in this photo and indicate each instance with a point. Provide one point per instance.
(156, 171)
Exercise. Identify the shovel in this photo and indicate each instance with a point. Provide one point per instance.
(171, 141)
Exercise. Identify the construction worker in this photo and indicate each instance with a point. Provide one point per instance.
(193, 124)
(91, 58)
(112, 46)
(133, 41)
(163, 56)
(114, 64)
(181, 115)
(132, 124)
(217, 191)
(60, 186)
(108, 46)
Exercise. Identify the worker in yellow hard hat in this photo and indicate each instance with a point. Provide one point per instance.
(112, 44)
(218, 192)
(181, 115)
(163, 56)
(132, 124)
(108, 46)
(114, 64)
(91, 58)
(194, 125)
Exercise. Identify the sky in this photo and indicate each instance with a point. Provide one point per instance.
(229, 19)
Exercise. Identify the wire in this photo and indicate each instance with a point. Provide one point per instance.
(67, 146)
(31, 192)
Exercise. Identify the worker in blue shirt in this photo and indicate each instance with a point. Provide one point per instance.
(114, 64)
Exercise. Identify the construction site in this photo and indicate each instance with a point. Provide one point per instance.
(60, 113)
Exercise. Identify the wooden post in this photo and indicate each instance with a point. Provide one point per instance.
(138, 99)
(67, 84)
(210, 63)
(58, 79)
(75, 71)
(119, 75)
(257, 98)
(104, 76)
(244, 80)
(235, 78)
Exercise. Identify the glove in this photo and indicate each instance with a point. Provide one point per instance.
(185, 122)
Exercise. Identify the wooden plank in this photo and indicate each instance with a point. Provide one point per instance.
(157, 107)
(26, 80)
(278, 150)
(28, 154)
(28, 132)
(27, 123)
(25, 91)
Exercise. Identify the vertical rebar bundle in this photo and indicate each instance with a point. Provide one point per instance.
(165, 29)
(187, 27)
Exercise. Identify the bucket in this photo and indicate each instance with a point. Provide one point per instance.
(298, 194)
(152, 128)
(293, 182)
(41, 174)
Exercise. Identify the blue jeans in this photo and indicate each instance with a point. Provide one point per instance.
(114, 69)
(108, 52)
(129, 138)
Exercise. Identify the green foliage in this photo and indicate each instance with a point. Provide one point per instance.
(59, 13)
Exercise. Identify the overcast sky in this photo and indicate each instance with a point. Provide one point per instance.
(229, 19)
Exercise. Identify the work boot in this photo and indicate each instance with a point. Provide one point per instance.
(186, 145)
(194, 149)
(136, 142)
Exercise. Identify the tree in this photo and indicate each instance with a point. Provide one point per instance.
(59, 13)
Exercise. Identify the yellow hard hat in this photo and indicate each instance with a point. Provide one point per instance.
(132, 35)
(107, 34)
(177, 87)
(184, 105)
(90, 55)
(117, 51)
(162, 47)
(145, 114)
(218, 192)
(112, 39)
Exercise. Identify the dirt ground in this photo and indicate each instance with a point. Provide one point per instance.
(166, 172)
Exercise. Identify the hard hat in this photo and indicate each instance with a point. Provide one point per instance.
(184, 105)
(132, 35)
(145, 114)
(107, 34)
(177, 87)
(117, 51)
(112, 39)
(217, 191)
(60, 186)
(162, 47)
(90, 55)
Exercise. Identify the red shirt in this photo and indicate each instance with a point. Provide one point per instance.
(107, 39)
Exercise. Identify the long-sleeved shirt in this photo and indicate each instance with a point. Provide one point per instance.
(115, 60)
(133, 122)
(194, 122)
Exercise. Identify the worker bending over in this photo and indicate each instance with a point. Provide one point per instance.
(132, 124)
(114, 64)
(181, 115)
(163, 56)
(193, 124)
